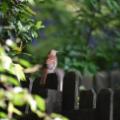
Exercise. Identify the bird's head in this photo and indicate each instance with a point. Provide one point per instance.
(53, 52)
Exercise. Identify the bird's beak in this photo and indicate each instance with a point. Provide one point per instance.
(60, 52)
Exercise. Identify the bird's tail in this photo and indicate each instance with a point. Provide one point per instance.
(43, 77)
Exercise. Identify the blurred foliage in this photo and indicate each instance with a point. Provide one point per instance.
(18, 26)
(16, 21)
(11, 93)
(86, 30)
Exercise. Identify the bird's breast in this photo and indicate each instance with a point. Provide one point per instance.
(51, 64)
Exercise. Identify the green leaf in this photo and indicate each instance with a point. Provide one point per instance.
(40, 103)
(32, 2)
(25, 63)
(2, 103)
(31, 102)
(13, 81)
(6, 62)
(9, 95)
(3, 115)
(21, 27)
(28, 9)
(18, 71)
(12, 109)
(34, 34)
(1, 94)
(4, 7)
(39, 25)
(61, 117)
(17, 99)
(17, 111)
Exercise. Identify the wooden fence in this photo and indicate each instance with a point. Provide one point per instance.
(80, 97)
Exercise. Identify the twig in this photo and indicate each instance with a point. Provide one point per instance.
(33, 69)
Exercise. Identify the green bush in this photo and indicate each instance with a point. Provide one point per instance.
(18, 26)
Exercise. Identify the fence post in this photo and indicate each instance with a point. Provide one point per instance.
(101, 81)
(104, 106)
(87, 81)
(60, 74)
(116, 105)
(49, 92)
(87, 99)
(115, 79)
(52, 81)
(71, 85)
(53, 101)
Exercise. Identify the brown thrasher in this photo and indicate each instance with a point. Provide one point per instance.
(49, 65)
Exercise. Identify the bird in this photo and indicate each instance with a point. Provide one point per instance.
(49, 65)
